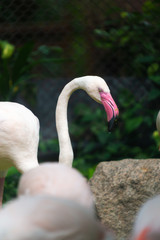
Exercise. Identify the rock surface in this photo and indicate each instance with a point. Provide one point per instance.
(121, 187)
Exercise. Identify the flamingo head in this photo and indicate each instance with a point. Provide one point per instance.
(97, 89)
(110, 107)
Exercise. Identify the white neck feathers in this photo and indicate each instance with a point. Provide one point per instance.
(90, 84)
(66, 152)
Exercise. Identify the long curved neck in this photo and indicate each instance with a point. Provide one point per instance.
(66, 152)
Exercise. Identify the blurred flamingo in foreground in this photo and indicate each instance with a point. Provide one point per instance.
(147, 222)
(97, 89)
(58, 180)
(49, 218)
(19, 137)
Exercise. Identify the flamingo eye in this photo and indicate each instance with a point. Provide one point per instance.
(100, 90)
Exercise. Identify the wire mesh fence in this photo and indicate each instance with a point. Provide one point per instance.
(69, 25)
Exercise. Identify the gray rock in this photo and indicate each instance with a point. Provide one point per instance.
(121, 187)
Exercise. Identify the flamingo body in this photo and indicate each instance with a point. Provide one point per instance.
(48, 218)
(19, 137)
(58, 180)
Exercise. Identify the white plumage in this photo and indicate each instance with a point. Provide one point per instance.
(48, 218)
(58, 180)
(19, 134)
(19, 137)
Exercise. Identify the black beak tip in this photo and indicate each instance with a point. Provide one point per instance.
(110, 124)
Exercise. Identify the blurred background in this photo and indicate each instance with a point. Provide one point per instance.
(45, 44)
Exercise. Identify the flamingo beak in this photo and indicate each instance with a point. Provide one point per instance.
(110, 108)
(143, 234)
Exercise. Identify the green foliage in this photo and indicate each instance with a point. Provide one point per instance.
(48, 145)
(156, 137)
(7, 49)
(11, 183)
(14, 68)
(49, 60)
(50, 10)
(19, 64)
(134, 38)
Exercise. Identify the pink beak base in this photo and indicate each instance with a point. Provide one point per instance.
(110, 108)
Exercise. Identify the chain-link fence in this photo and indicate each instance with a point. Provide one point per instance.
(69, 25)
